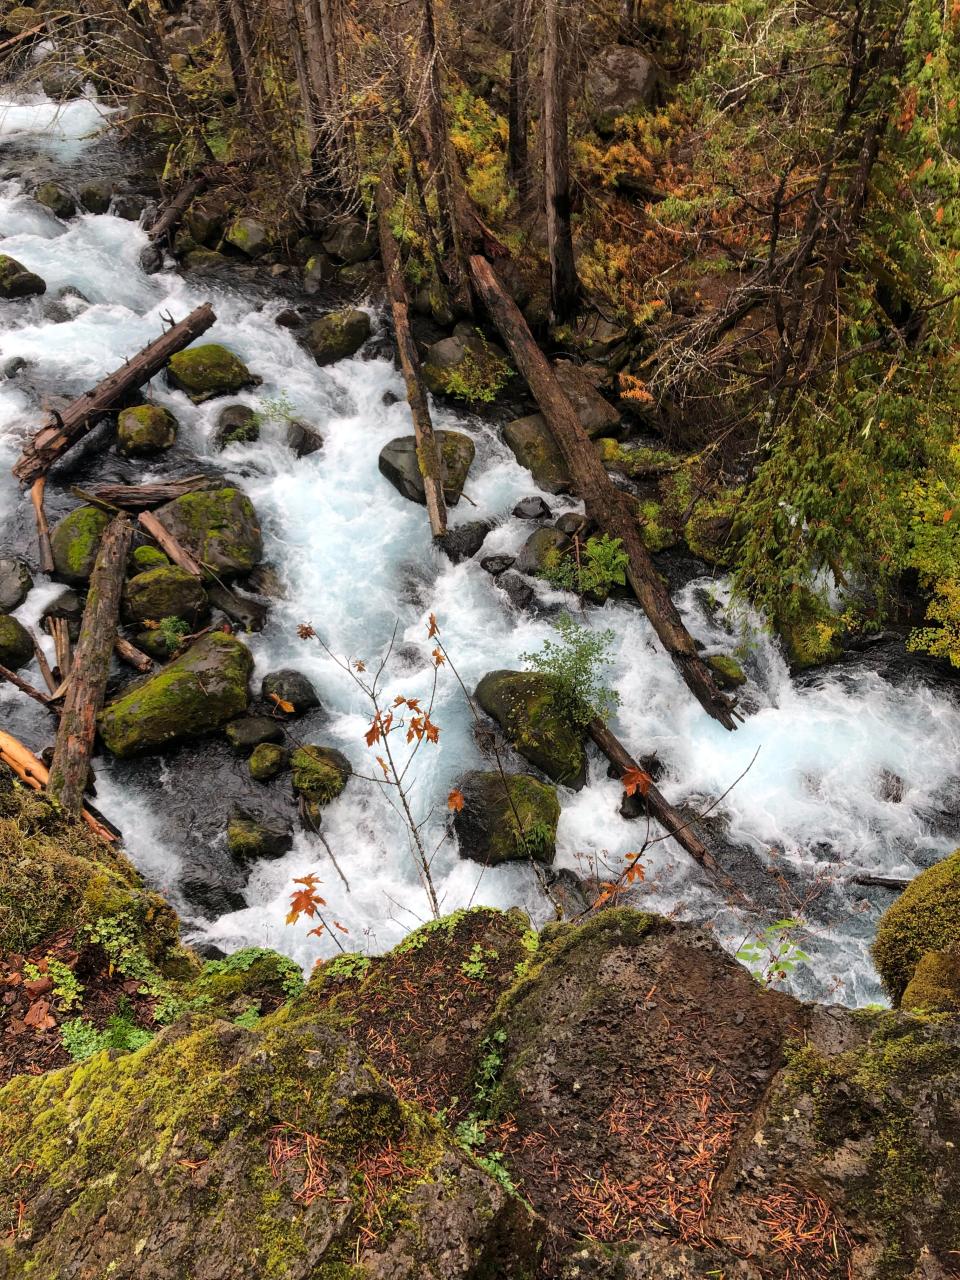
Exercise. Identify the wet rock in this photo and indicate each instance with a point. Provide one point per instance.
(574, 524)
(496, 565)
(204, 260)
(128, 207)
(358, 279)
(205, 221)
(249, 839)
(518, 590)
(465, 367)
(146, 429)
(303, 440)
(542, 551)
(248, 732)
(249, 236)
(350, 240)
(389, 398)
(319, 775)
(16, 281)
(16, 364)
(532, 509)
(219, 526)
(56, 199)
(891, 786)
(15, 583)
(620, 81)
(267, 761)
(75, 541)
(147, 557)
(165, 592)
(495, 827)
(727, 672)
(526, 707)
(337, 335)
(290, 686)
(95, 197)
(247, 613)
(265, 580)
(318, 271)
(289, 319)
(236, 424)
(16, 647)
(534, 447)
(209, 370)
(463, 542)
(201, 690)
(597, 416)
(399, 463)
(68, 606)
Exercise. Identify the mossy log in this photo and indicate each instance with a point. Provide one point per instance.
(172, 215)
(604, 502)
(83, 414)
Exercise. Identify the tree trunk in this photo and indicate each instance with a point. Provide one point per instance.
(231, 43)
(605, 503)
(518, 155)
(307, 98)
(564, 284)
(43, 528)
(91, 667)
(428, 454)
(172, 214)
(142, 497)
(33, 773)
(168, 543)
(132, 655)
(51, 442)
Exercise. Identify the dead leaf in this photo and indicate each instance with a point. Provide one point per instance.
(455, 801)
(38, 1016)
(635, 780)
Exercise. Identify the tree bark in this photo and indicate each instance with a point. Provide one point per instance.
(177, 552)
(91, 667)
(518, 154)
(307, 97)
(142, 497)
(26, 688)
(33, 773)
(172, 214)
(428, 453)
(43, 528)
(564, 283)
(605, 503)
(132, 655)
(52, 441)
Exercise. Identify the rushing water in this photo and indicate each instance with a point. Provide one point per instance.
(356, 560)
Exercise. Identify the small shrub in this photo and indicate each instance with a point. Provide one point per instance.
(602, 564)
(575, 663)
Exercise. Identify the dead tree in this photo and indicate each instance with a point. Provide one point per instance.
(172, 215)
(91, 667)
(564, 283)
(518, 154)
(604, 502)
(143, 497)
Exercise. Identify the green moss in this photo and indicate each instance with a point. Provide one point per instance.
(16, 647)
(254, 971)
(319, 773)
(267, 760)
(75, 541)
(219, 526)
(710, 531)
(207, 371)
(935, 985)
(16, 281)
(811, 634)
(926, 917)
(654, 528)
(526, 706)
(727, 671)
(149, 558)
(632, 462)
(145, 429)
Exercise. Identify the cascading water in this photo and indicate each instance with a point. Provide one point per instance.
(356, 559)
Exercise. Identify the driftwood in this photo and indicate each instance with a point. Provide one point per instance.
(11, 676)
(132, 655)
(168, 543)
(91, 667)
(428, 453)
(42, 663)
(604, 502)
(173, 212)
(34, 774)
(43, 528)
(898, 883)
(143, 497)
(60, 631)
(79, 417)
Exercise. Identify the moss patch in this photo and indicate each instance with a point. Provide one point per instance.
(319, 773)
(926, 917)
(526, 707)
(207, 371)
(75, 541)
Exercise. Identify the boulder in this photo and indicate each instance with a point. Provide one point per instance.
(204, 222)
(249, 839)
(319, 775)
(128, 207)
(303, 440)
(534, 447)
(926, 917)
(164, 592)
(318, 271)
(267, 760)
(16, 281)
(219, 526)
(248, 732)
(146, 429)
(95, 197)
(727, 671)
(466, 367)
(399, 463)
(494, 826)
(236, 424)
(495, 565)
(533, 508)
(200, 691)
(75, 541)
(207, 371)
(246, 612)
(574, 523)
(597, 416)
(15, 583)
(463, 542)
(289, 686)
(526, 707)
(350, 240)
(53, 197)
(68, 606)
(517, 589)
(620, 81)
(249, 236)
(147, 557)
(16, 647)
(542, 551)
(935, 985)
(204, 260)
(337, 335)
(59, 81)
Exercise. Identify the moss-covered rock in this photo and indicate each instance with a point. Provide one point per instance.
(75, 541)
(935, 985)
(16, 647)
(56, 199)
(16, 281)
(219, 526)
(207, 371)
(16, 582)
(248, 732)
(727, 671)
(499, 823)
(400, 463)
(811, 634)
(319, 774)
(250, 839)
(249, 236)
(597, 416)
(350, 240)
(711, 532)
(205, 260)
(543, 551)
(147, 557)
(236, 424)
(338, 334)
(165, 592)
(926, 917)
(199, 691)
(526, 706)
(267, 761)
(146, 429)
(534, 447)
(655, 528)
(467, 368)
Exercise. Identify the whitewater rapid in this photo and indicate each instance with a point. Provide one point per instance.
(356, 559)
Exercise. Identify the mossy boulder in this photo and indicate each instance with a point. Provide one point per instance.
(526, 706)
(597, 416)
(249, 839)
(165, 592)
(207, 371)
(467, 368)
(236, 424)
(267, 760)
(56, 199)
(249, 236)
(16, 281)
(935, 985)
(219, 526)
(147, 557)
(506, 823)
(95, 196)
(534, 447)
(16, 647)
(338, 334)
(400, 463)
(727, 671)
(926, 917)
(205, 260)
(711, 531)
(319, 774)
(15, 583)
(811, 633)
(248, 732)
(350, 240)
(201, 690)
(543, 551)
(146, 429)
(75, 541)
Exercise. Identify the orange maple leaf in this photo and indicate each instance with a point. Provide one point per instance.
(432, 628)
(282, 704)
(455, 800)
(304, 902)
(635, 780)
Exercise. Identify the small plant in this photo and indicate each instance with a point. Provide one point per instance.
(278, 409)
(475, 965)
(489, 1067)
(350, 965)
(472, 1136)
(248, 1019)
(479, 377)
(575, 664)
(81, 1038)
(171, 631)
(67, 989)
(535, 841)
(773, 955)
(594, 567)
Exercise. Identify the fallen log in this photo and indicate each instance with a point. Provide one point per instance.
(34, 774)
(91, 667)
(428, 452)
(43, 528)
(168, 543)
(173, 212)
(60, 631)
(604, 502)
(143, 497)
(83, 414)
(42, 663)
(133, 656)
(11, 676)
(897, 883)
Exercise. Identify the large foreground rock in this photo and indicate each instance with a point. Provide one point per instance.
(164, 592)
(197, 692)
(525, 706)
(16, 281)
(400, 464)
(219, 526)
(506, 822)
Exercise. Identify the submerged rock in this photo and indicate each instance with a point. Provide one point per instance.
(250, 731)
(58, 201)
(16, 647)
(15, 583)
(219, 527)
(145, 429)
(338, 334)
(534, 447)
(201, 690)
(303, 440)
(75, 541)
(506, 823)
(533, 508)
(249, 839)
(207, 371)
(236, 424)
(164, 592)
(526, 707)
(517, 589)
(401, 466)
(291, 687)
(495, 565)
(95, 196)
(16, 281)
